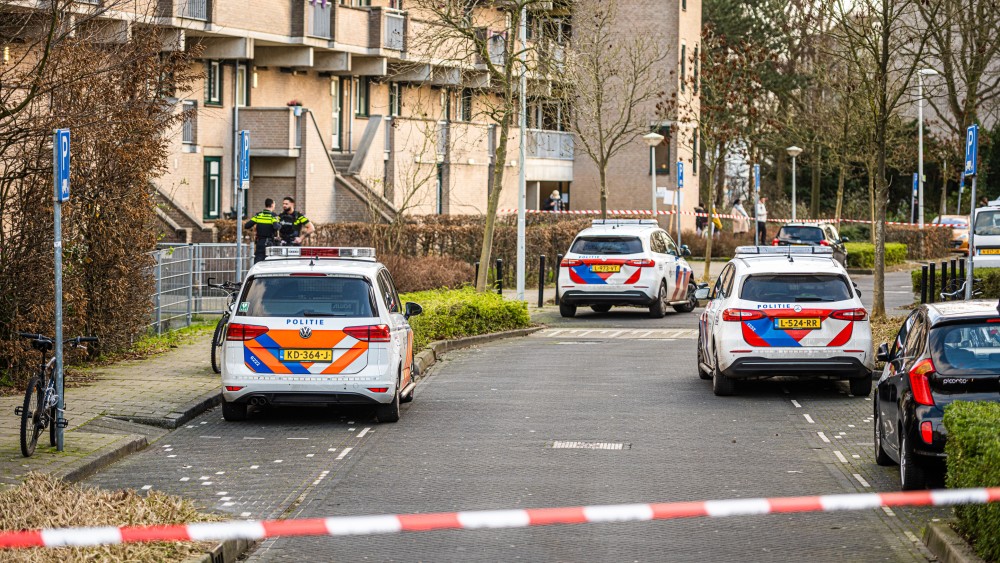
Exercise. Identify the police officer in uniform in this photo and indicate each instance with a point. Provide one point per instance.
(295, 227)
(266, 224)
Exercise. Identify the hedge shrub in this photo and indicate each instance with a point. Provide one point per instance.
(428, 272)
(973, 450)
(990, 282)
(459, 313)
(862, 254)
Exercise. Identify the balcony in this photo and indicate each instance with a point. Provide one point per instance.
(321, 18)
(393, 30)
(274, 132)
(193, 9)
(496, 46)
(549, 156)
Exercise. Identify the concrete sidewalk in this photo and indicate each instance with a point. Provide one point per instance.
(128, 405)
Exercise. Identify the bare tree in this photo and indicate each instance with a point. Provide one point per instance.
(613, 82)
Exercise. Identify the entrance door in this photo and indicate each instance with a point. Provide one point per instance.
(337, 111)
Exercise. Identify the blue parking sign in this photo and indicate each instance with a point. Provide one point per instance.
(680, 174)
(916, 185)
(244, 179)
(971, 149)
(60, 163)
(756, 177)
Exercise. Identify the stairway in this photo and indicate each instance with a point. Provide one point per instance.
(342, 161)
(179, 225)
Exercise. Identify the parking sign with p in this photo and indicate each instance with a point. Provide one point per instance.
(60, 163)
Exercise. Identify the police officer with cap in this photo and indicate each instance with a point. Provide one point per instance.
(266, 224)
(294, 226)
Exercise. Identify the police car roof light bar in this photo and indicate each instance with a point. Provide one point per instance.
(782, 250)
(320, 252)
(598, 222)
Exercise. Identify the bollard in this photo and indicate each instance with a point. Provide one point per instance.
(954, 273)
(961, 268)
(499, 276)
(559, 258)
(541, 280)
(931, 278)
(944, 279)
(475, 280)
(923, 284)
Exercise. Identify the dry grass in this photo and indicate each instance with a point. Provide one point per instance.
(884, 329)
(46, 502)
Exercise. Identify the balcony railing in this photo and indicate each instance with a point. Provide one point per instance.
(393, 30)
(321, 18)
(549, 144)
(194, 9)
(276, 131)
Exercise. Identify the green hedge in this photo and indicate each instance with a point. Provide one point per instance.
(990, 286)
(862, 254)
(458, 313)
(973, 450)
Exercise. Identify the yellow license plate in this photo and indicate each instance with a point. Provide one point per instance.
(990, 251)
(298, 355)
(811, 323)
(606, 268)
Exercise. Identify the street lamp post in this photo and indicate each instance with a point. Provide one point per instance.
(653, 140)
(920, 144)
(793, 152)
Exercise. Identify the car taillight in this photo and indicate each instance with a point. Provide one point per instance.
(927, 432)
(920, 383)
(774, 242)
(641, 263)
(240, 332)
(850, 315)
(371, 333)
(824, 243)
(570, 262)
(378, 389)
(233, 387)
(741, 315)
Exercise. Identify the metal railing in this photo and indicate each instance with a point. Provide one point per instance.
(549, 144)
(181, 273)
(394, 28)
(321, 19)
(195, 9)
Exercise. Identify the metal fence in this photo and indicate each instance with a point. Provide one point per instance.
(181, 273)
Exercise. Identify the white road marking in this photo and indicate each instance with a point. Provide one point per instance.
(185, 479)
(203, 478)
(147, 487)
(245, 515)
(862, 481)
(823, 437)
(310, 455)
(189, 426)
(252, 438)
(344, 453)
(911, 536)
(350, 422)
(211, 437)
(220, 472)
(172, 455)
(166, 445)
(206, 483)
(351, 429)
(168, 450)
(296, 438)
(228, 503)
(331, 449)
(254, 466)
(222, 493)
(809, 419)
(224, 499)
(278, 460)
(850, 426)
(363, 432)
(562, 444)
(856, 456)
(840, 456)
(796, 403)
(204, 422)
(888, 511)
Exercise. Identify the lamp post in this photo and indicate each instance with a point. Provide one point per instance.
(653, 140)
(793, 152)
(920, 144)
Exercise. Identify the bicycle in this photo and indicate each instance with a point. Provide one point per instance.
(955, 289)
(42, 392)
(232, 290)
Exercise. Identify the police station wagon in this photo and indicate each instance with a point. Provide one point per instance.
(318, 327)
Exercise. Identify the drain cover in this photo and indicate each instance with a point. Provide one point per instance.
(567, 445)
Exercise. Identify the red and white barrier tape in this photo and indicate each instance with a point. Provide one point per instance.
(471, 520)
(648, 212)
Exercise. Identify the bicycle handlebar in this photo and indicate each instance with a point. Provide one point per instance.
(43, 338)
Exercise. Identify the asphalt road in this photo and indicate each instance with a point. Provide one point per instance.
(481, 435)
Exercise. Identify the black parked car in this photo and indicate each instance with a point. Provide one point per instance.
(813, 234)
(944, 352)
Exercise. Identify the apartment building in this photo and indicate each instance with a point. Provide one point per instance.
(350, 114)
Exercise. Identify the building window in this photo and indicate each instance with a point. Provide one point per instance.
(694, 151)
(684, 5)
(242, 86)
(683, 67)
(465, 106)
(361, 107)
(213, 186)
(213, 83)
(189, 130)
(395, 99)
(695, 68)
(661, 153)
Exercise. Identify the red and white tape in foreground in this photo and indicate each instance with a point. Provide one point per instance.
(471, 520)
(645, 212)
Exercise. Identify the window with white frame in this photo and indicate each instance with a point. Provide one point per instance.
(189, 129)
(242, 89)
(213, 83)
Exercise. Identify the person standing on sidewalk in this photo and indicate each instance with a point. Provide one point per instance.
(762, 219)
(265, 225)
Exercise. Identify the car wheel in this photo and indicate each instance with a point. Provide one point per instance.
(701, 355)
(658, 309)
(861, 386)
(881, 457)
(911, 473)
(389, 412)
(568, 311)
(692, 301)
(600, 308)
(234, 412)
(722, 386)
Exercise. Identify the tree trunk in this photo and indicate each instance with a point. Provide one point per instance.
(871, 201)
(707, 276)
(816, 169)
(943, 208)
(492, 203)
(719, 179)
(604, 189)
(840, 193)
(779, 173)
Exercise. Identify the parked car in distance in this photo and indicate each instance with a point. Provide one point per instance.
(986, 239)
(959, 231)
(813, 234)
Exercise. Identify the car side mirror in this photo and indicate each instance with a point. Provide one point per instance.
(685, 251)
(882, 354)
(702, 293)
(412, 309)
(845, 239)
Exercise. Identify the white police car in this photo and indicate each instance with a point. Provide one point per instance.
(318, 326)
(784, 311)
(625, 262)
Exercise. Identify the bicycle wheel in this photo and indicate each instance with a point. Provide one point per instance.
(217, 341)
(32, 416)
(53, 413)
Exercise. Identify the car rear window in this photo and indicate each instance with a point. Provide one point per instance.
(966, 349)
(988, 222)
(808, 234)
(957, 221)
(307, 296)
(606, 245)
(795, 288)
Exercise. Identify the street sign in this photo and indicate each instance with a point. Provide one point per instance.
(244, 176)
(60, 163)
(915, 185)
(680, 174)
(756, 177)
(971, 149)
